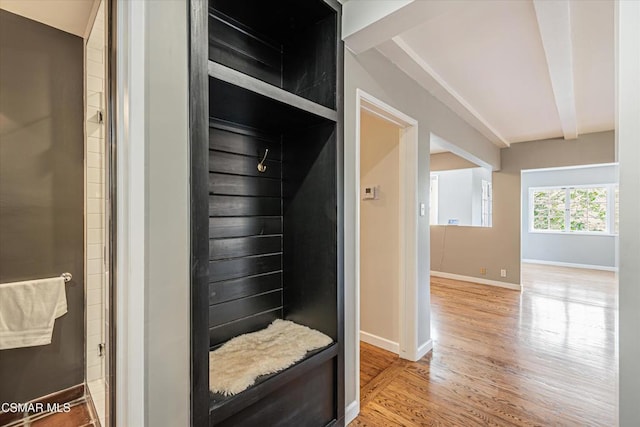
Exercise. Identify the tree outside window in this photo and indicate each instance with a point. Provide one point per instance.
(588, 209)
(581, 209)
(549, 210)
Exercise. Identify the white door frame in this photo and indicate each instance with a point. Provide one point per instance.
(408, 226)
(130, 265)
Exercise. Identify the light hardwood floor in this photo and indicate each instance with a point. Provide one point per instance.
(542, 357)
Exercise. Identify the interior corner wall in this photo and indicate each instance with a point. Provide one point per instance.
(379, 229)
(374, 74)
(464, 250)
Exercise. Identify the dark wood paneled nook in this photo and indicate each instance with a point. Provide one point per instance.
(267, 200)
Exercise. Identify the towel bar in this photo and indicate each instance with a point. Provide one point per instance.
(67, 277)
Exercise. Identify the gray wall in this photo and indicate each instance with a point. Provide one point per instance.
(573, 248)
(41, 193)
(377, 76)
(464, 250)
(449, 161)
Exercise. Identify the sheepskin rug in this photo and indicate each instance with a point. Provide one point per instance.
(235, 366)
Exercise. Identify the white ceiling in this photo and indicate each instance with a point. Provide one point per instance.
(515, 70)
(71, 16)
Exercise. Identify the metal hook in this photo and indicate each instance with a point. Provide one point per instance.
(261, 166)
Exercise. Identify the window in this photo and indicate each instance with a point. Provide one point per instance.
(573, 209)
(487, 203)
(433, 200)
(549, 207)
(588, 209)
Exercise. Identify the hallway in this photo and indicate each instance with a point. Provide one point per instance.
(546, 356)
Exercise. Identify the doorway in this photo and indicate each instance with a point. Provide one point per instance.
(569, 241)
(569, 216)
(386, 229)
(54, 214)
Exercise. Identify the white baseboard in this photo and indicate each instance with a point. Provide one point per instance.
(514, 286)
(569, 264)
(424, 349)
(383, 343)
(351, 412)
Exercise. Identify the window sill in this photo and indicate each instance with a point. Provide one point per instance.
(574, 233)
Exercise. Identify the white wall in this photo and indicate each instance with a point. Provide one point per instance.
(455, 190)
(460, 195)
(572, 248)
(379, 231)
(627, 136)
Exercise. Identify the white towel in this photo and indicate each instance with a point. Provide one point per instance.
(28, 311)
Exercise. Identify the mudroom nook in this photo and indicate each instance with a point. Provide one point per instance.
(267, 213)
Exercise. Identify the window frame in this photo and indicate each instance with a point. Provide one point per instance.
(486, 204)
(433, 198)
(610, 222)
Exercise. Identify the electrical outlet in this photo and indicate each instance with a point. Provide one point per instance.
(483, 270)
(503, 273)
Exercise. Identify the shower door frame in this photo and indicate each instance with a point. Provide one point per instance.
(110, 219)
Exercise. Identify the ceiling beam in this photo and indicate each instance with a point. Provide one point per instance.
(366, 24)
(554, 22)
(405, 58)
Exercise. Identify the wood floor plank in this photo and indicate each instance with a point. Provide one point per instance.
(541, 357)
(380, 382)
(373, 361)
